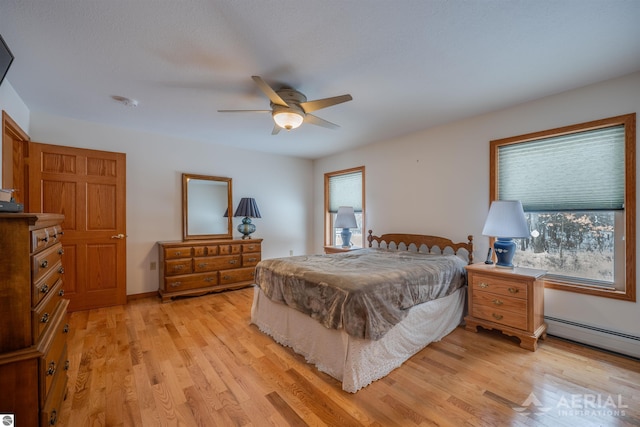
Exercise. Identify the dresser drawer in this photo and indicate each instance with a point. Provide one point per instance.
(178, 266)
(191, 281)
(237, 275)
(250, 259)
(50, 413)
(173, 253)
(250, 247)
(43, 314)
(216, 263)
(229, 249)
(45, 261)
(46, 284)
(53, 361)
(45, 237)
(498, 286)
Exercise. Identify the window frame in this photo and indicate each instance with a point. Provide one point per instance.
(328, 216)
(629, 123)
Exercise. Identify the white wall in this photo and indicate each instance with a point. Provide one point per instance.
(437, 182)
(155, 163)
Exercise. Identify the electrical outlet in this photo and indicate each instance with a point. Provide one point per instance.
(290, 252)
(153, 265)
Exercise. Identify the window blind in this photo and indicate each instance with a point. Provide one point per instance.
(345, 190)
(580, 171)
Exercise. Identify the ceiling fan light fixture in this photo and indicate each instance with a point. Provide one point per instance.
(288, 119)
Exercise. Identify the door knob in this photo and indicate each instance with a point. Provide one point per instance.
(118, 236)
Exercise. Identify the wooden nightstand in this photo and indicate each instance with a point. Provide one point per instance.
(509, 300)
(338, 249)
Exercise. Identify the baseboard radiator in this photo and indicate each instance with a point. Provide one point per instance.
(615, 341)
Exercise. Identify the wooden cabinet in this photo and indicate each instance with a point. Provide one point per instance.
(33, 314)
(509, 300)
(198, 267)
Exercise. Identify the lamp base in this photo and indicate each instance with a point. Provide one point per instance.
(346, 238)
(505, 249)
(246, 228)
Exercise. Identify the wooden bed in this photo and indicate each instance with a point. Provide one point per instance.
(358, 356)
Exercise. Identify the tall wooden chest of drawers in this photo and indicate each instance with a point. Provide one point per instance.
(509, 300)
(198, 267)
(33, 314)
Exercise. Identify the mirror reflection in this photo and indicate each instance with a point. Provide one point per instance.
(206, 201)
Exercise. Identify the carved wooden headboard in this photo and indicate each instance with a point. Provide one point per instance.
(419, 240)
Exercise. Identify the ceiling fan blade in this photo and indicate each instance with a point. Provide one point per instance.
(275, 130)
(271, 94)
(310, 106)
(244, 111)
(315, 120)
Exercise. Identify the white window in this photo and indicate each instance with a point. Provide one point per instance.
(344, 188)
(577, 187)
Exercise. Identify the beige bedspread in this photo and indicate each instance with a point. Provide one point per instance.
(364, 292)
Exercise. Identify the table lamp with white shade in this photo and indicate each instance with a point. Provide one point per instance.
(505, 221)
(345, 219)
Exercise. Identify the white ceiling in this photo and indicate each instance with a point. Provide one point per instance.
(409, 65)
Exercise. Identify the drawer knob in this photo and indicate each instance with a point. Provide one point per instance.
(54, 418)
(52, 368)
(497, 316)
(44, 318)
(178, 253)
(514, 290)
(253, 259)
(66, 328)
(66, 365)
(209, 279)
(175, 284)
(45, 289)
(61, 270)
(497, 302)
(226, 277)
(44, 264)
(61, 251)
(483, 285)
(202, 265)
(178, 267)
(61, 293)
(232, 261)
(45, 239)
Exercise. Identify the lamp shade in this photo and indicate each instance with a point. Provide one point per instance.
(345, 218)
(506, 219)
(248, 208)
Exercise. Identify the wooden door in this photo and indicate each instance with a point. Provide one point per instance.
(88, 187)
(14, 146)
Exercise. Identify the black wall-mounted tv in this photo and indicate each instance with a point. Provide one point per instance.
(6, 58)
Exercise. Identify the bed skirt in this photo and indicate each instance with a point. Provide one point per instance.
(357, 362)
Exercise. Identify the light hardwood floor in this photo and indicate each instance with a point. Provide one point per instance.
(198, 362)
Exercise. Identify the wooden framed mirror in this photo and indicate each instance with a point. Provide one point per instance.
(206, 207)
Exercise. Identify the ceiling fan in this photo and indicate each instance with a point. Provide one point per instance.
(290, 108)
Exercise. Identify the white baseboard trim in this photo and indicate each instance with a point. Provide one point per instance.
(618, 342)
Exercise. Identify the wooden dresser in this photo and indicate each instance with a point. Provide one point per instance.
(509, 300)
(198, 267)
(33, 314)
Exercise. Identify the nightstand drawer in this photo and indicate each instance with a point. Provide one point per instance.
(499, 302)
(497, 285)
(501, 316)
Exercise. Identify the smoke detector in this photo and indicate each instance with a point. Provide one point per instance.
(127, 102)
